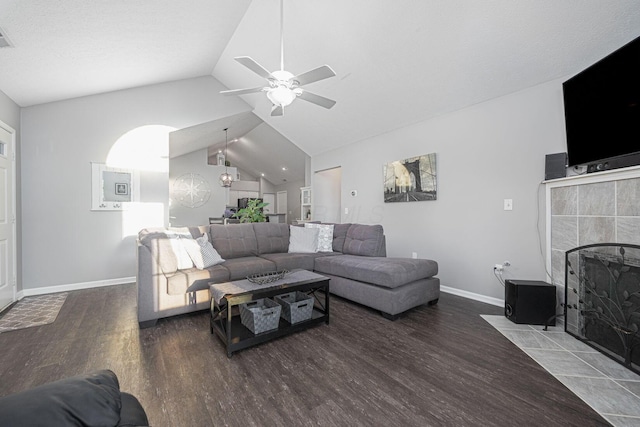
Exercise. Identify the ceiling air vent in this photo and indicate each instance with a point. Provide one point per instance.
(4, 41)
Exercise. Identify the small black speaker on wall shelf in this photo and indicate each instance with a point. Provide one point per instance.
(529, 301)
(555, 166)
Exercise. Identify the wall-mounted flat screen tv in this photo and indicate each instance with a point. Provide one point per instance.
(602, 108)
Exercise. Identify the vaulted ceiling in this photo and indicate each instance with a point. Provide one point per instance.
(397, 62)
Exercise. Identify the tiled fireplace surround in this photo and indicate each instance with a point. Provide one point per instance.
(586, 209)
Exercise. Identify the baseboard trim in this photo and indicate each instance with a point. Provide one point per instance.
(73, 287)
(473, 296)
(124, 280)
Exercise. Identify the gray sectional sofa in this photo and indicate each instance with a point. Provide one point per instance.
(358, 268)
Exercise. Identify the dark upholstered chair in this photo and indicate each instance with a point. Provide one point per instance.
(87, 400)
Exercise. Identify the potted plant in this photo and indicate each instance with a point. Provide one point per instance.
(253, 212)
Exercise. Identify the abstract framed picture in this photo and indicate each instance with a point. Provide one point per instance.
(122, 189)
(411, 180)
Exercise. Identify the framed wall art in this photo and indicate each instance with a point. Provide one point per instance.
(411, 180)
(112, 188)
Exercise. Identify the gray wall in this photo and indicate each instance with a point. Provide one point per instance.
(63, 241)
(196, 162)
(485, 153)
(293, 198)
(10, 114)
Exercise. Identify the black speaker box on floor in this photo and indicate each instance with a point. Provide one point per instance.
(555, 166)
(529, 301)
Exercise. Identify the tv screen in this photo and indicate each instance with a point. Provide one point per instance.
(602, 108)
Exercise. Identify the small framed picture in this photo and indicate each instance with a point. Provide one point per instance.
(122, 188)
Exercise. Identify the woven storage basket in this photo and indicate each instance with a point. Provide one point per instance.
(296, 306)
(260, 315)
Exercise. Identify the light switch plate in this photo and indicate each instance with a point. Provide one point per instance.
(508, 204)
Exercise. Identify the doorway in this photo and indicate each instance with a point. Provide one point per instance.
(7, 217)
(270, 200)
(327, 197)
(281, 204)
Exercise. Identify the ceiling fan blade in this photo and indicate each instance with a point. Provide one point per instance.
(317, 99)
(320, 73)
(241, 91)
(277, 111)
(249, 62)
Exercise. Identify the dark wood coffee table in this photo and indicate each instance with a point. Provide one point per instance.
(226, 298)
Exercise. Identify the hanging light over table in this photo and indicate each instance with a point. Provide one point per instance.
(226, 178)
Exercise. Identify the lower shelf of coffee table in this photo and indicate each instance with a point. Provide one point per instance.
(241, 337)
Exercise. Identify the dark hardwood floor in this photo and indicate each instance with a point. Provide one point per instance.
(439, 365)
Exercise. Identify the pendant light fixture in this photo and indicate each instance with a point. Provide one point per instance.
(226, 179)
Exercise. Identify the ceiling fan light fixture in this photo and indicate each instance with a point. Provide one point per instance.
(281, 96)
(284, 87)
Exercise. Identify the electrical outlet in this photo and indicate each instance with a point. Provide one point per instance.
(346, 211)
(508, 204)
(498, 267)
(414, 255)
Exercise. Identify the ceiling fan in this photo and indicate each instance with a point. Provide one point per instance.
(283, 86)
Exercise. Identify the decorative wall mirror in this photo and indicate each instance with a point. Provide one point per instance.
(113, 188)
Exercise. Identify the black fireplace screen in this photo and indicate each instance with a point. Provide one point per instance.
(602, 296)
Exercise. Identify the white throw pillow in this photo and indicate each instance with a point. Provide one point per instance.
(202, 252)
(303, 240)
(176, 237)
(325, 236)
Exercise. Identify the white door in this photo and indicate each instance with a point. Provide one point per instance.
(281, 204)
(269, 198)
(7, 218)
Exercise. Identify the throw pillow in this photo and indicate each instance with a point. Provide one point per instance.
(325, 236)
(202, 252)
(303, 240)
(176, 238)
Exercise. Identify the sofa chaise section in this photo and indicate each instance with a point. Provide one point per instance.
(365, 275)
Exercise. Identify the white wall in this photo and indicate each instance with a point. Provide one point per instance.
(485, 153)
(327, 195)
(63, 241)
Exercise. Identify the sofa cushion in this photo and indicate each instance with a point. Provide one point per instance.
(291, 261)
(339, 236)
(386, 272)
(194, 279)
(271, 237)
(240, 268)
(364, 240)
(234, 240)
(91, 400)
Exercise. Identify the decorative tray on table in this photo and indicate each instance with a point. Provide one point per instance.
(264, 278)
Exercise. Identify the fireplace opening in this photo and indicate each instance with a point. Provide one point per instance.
(602, 299)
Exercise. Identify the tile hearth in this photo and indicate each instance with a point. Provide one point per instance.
(609, 388)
